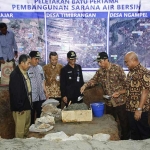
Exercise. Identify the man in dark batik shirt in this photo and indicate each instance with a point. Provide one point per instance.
(138, 97)
(112, 78)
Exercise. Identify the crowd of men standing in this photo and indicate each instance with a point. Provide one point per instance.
(31, 84)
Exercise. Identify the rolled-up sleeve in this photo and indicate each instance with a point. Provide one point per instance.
(1, 54)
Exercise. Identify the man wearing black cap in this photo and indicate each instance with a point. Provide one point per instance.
(112, 78)
(37, 79)
(71, 80)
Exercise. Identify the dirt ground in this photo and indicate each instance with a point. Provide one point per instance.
(105, 124)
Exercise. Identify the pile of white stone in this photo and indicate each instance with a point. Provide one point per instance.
(49, 114)
(61, 136)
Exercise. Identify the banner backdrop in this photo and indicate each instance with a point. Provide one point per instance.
(85, 26)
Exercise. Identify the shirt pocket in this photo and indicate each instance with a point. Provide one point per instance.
(3, 43)
(42, 76)
(135, 77)
(31, 75)
(9, 40)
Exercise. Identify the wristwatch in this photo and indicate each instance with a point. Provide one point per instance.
(139, 109)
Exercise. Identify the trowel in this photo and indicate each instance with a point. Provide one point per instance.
(107, 97)
(80, 98)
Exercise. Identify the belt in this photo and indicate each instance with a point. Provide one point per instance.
(29, 93)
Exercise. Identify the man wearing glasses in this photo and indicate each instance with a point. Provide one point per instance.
(112, 78)
(71, 80)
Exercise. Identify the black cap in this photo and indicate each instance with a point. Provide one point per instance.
(101, 55)
(35, 54)
(71, 55)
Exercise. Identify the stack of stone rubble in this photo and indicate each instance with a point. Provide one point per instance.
(49, 114)
(51, 110)
(44, 122)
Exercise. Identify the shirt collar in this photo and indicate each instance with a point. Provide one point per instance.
(52, 66)
(136, 67)
(33, 66)
(22, 71)
(3, 34)
(110, 65)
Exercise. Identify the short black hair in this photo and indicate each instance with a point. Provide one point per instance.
(3, 25)
(52, 54)
(23, 58)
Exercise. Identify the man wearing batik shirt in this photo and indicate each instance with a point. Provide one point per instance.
(52, 77)
(37, 79)
(138, 97)
(112, 78)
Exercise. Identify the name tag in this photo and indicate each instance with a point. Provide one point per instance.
(78, 79)
(31, 75)
(57, 78)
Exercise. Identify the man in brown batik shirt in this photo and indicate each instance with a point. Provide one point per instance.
(52, 77)
(138, 97)
(112, 78)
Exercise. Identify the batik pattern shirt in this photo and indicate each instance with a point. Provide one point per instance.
(37, 79)
(52, 77)
(137, 79)
(112, 80)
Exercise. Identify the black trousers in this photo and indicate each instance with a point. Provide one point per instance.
(139, 130)
(36, 111)
(121, 113)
